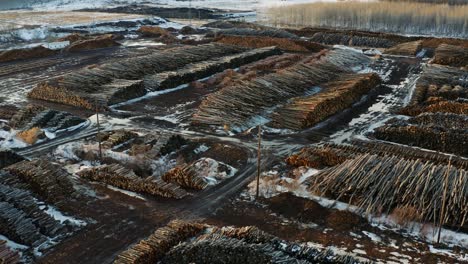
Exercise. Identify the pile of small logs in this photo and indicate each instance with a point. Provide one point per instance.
(305, 112)
(84, 87)
(351, 40)
(118, 137)
(441, 120)
(451, 55)
(405, 49)
(152, 249)
(121, 177)
(435, 138)
(436, 105)
(282, 43)
(318, 157)
(379, 184)
(234, 105)
(185, 176)
(8, 256)
(48, 180)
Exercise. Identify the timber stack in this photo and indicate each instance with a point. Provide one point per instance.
(185, 176)
(121, 177)
(451, 55)
(8, 256)
(406, 49)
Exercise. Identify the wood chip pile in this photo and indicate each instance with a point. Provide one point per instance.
(380, 184)
(186, 177)
(305, 112)
(21, 54)
(451, 55)
(104, 41)
(48, 180)
(351, 40)
(405, 49)
(234, 105)
(121, 177)
(282, 43)
(82, 88)
(8, 256)
(152, 249)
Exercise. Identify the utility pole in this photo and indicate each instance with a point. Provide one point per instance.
(259, 153)
(98, 131)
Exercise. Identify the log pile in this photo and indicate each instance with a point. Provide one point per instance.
(99, 42)
(121, 177)
(152, 31)
(379, 184)
(318, 157)
(25, 115)
(234, 105)
(29, 53)
(405, 49)
(351, 40)
(152, 249)
(269, 32)
(185, 176)
(451, 55)
(437, 105)
(118, 137)
(115, 82)
(37, 116)
(48, 180)
(441, 120)
(8, 256)
(436, 138)
(282, 43)
(305, 112)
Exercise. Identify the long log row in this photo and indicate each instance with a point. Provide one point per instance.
(234, 105)
(152, 249)
(23, 200)
(380, 184)
(406, 49)
(47, 180)
(441, 120)
(451, 55)
(8, 256)
(121, 177)
(293, 45)
(75, 88)
(305, 112)
(333, 154)
(267, 32)
(186, 177)
(159, 74)
(351, 40)
(437, 105)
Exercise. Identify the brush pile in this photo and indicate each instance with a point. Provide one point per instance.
(48, 180)
(121, 177)
(282, 43)
(235, 105)
(351, 40)
(186, 177)
(119, 81)
(153, 249)
(380, 184)
(451, 55)
(7, 256)
(305, 112)
(99, 42)
(23, 54)
(405, 49)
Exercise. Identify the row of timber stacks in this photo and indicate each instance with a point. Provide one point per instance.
(455, 56)
(305, 112)
(8, 256)
(119, 81)
(381, 184)
(235, 104)
(121, 177)
(293, 45)
(329, 155)
(184, 242)
(406, 49)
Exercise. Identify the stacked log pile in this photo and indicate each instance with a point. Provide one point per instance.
(318, 157)
(282, 43)
(269, 32)
(437, 105)
(379, 184)
(234, 105)
(199, 70)
(29, 53)
(121, 177)
(25, 115)
(118, 137)
(48, 180)
(152, 249)
(185, 176)
(351, 40)
(456, 56)
(305, 112)
(104, 41)
(441, 120)
(436, 138)
(82, 88)
(8, 256)
(405, 49)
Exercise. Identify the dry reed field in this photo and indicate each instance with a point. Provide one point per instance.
(401, 17)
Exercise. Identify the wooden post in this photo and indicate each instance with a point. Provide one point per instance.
(98, 131)
(442, 211)
(259, 153)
